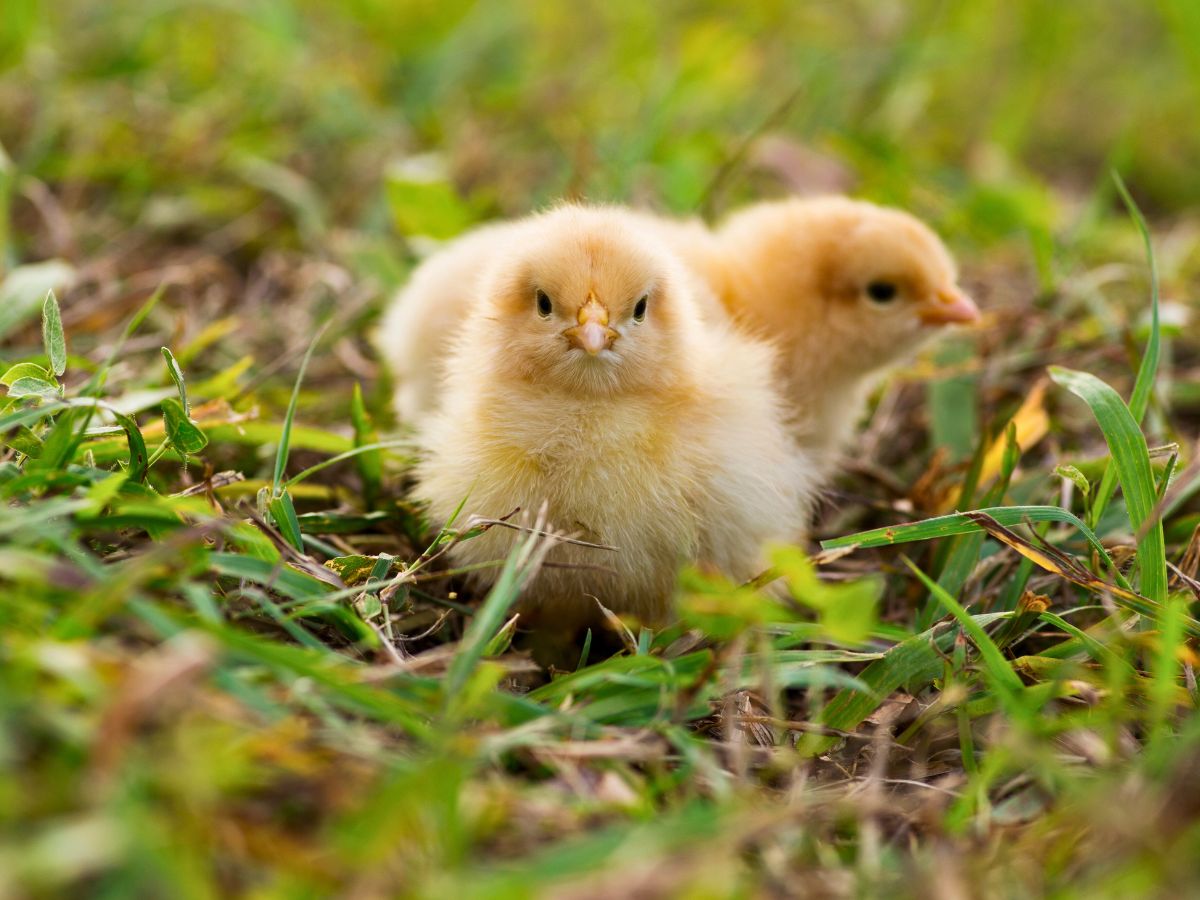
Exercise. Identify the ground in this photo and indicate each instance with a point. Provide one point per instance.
(232, 661)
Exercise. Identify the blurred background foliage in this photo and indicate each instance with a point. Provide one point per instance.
(183, 114)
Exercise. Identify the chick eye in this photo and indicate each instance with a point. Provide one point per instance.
(882, 291)
(544, 306)
(639, 310)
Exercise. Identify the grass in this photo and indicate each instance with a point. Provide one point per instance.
(235, 660)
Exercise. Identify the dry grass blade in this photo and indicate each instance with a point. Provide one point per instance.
(1053, 560)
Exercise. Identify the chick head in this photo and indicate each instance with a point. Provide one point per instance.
(583, 300)
(872, 283)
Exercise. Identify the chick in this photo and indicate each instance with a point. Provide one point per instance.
(584, 377)
(417, 329)
(846, 289)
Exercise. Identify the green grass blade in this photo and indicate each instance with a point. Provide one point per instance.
(965, 549)
(283, 512)
(913, 664)
(961, 523)
(29, 416)
(335, 674)
(952, 404)
(1139, 400)
(1000, 673)
(281, 455)
(277, 576)
(1131, 457)
(521, 563)
(370, 464)
(357, 452)
(176, 374)
(138, 457)
(96, 383)
(1165, 671)
(1097, 650)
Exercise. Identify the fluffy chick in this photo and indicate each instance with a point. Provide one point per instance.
(845, 288)
(418, 328)
(584, 377)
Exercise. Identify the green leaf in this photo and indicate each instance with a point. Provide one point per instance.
(59, 445)
(1077, 478)
(1131, 456)
(25, 370)
(183, 433)
(342, 523)
(28, 386)
(104, 491)
(26, 442)
(721, 609)
(177, 377)
(846, 610)
(251, 541)
(352, 569)
(499, 645)
(53, 338)
(138, 458)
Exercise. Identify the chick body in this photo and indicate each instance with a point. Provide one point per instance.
(668, 445)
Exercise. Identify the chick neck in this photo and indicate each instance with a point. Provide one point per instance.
(827, 395)
(825, 375)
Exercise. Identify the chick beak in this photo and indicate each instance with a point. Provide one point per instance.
(592, 333)
(949, 306)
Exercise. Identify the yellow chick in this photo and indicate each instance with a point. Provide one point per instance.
(846, 289)
(417, 329)
(583, 376)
